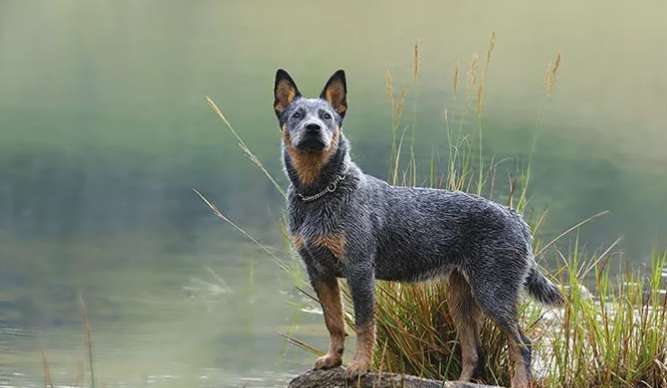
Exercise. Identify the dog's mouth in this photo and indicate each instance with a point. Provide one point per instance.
(311, 144)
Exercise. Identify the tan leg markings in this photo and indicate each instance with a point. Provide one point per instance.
(329, 295)
(335, 243)
(520, 376)
(361, 363)
(466, 315)
(309, 164)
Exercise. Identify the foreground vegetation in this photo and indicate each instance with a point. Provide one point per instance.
(614, 338)
(611, 330)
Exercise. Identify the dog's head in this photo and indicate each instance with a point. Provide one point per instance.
(310, 125)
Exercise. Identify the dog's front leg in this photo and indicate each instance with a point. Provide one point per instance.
(328, 294)
(361, 280)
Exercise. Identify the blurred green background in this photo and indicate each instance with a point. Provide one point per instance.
(104, 130)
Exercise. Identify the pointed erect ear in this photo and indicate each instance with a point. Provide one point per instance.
(335, 92)
(285, 91)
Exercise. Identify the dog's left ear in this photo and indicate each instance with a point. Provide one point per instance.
(335, 92)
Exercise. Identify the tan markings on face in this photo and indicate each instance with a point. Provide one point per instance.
(334, 242)
(309, 164)
(285, 93)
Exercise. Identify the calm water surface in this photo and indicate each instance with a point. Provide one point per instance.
(104, 131)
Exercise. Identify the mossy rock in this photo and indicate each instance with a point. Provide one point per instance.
(335, 378)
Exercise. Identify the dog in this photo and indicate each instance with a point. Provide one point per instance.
(346, 224)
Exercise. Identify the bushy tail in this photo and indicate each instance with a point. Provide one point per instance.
(540, 288)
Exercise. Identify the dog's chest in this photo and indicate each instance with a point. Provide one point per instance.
(318, 229)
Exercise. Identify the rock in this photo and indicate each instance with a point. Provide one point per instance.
(335, 378)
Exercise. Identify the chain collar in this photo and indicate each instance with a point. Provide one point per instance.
(331, 187)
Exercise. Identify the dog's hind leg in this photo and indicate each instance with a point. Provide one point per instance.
(520, 354)
(497, 295)
(466, 316)
(328, 294)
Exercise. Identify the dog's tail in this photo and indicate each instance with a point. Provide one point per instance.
(540, 288)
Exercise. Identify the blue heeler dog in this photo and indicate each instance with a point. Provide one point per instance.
(347, 224)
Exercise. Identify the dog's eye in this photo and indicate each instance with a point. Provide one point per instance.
(326, 116)
(297, 115)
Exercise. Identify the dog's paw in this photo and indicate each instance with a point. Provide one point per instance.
(357, 368)
(328, 361)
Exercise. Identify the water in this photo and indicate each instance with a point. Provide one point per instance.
(105, 131)
(159, 315)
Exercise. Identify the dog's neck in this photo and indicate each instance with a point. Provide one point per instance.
(337, 164)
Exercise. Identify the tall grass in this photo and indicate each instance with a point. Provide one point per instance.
(612, 336)
(615, 337)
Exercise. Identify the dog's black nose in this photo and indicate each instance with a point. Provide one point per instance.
(313, 128)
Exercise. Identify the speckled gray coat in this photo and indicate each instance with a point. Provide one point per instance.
(412, 234)
(349, 224)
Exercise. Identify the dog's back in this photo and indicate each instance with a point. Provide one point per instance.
(419, 233)
(427, 232)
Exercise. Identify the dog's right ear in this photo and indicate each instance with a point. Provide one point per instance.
(284, 91)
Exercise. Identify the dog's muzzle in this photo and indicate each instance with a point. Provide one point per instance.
(312, 138)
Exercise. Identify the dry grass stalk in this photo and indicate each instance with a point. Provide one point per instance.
(570, 230)
(397, 108)
(397, 160)
(415, 63)
(550, 75)
(221, 216)
(473, 75)
(456, 79)
(88, 339)
(482, 84)
(46, 371)
(480, 98)
(489, 51)
(389, 84)
(244, 147)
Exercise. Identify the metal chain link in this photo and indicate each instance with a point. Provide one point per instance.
(331, 187)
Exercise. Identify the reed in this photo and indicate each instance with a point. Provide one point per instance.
(550, 76)
(46, 371)
(88, 339)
